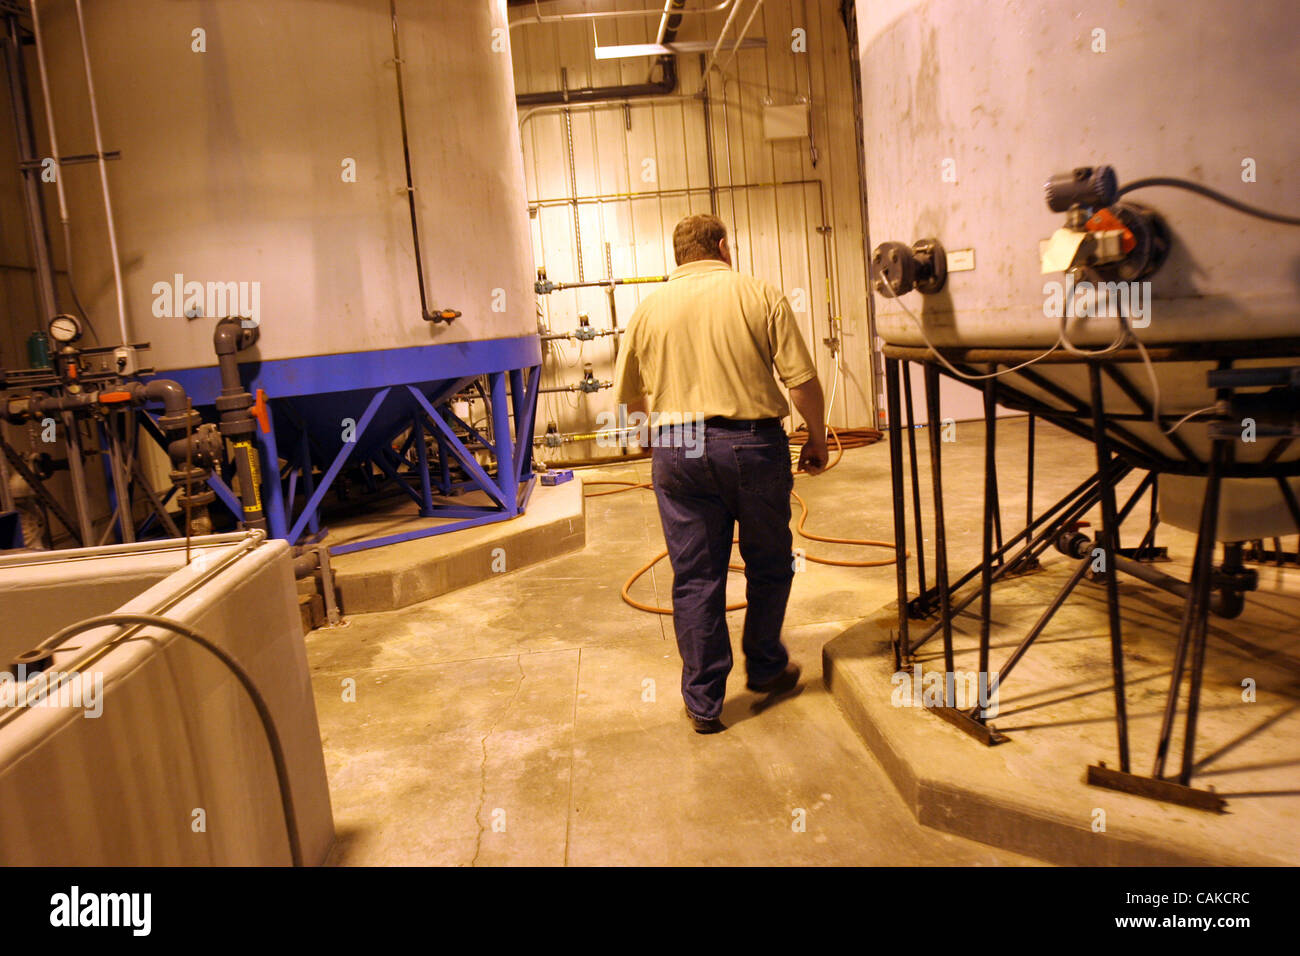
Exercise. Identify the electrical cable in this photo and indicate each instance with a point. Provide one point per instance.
(1201, 190)
(1122, 339)
(1190, 415)
(920, 327)
(852, 438)
(259, 702)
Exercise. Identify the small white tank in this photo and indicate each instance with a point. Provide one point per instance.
(969, 107)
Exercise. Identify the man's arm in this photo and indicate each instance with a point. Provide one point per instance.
(810, 404)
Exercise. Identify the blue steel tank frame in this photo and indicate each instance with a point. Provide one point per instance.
(335, 410)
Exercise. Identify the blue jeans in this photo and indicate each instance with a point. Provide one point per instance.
(741, 477)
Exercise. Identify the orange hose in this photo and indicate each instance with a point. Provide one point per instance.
(853, 438)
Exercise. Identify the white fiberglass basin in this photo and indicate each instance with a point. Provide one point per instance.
(150, 751)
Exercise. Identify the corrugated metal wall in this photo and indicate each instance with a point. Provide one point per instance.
(607, 183)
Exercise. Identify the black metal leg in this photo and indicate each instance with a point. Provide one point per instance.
(940, 532)
(1149, 539)
(1029, 475)
(1200, 603)
(916, 488)
(990, 507)
(900, 521)
(1078, 502)
(1110, 547)
(1040, 625)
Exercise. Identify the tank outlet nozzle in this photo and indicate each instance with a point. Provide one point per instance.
(897, 269)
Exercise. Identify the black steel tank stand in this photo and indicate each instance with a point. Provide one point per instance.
(921, 607)
(902, 648)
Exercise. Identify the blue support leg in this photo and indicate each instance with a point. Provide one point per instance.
(467, 460)
(271, 492)
(422, 453)
(308, 479)
(525, 417)
(507, 476)
(339, 460)
(444, 478)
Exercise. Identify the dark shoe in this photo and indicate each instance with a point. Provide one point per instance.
(782, 682)
(706, 725)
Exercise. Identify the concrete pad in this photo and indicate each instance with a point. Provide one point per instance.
(398, 575)
(583, 768)
(428, 765)
(1029, 795)
(789, 784)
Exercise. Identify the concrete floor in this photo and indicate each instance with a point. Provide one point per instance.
(536, 719)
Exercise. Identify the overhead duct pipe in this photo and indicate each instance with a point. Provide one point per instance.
(602, 14)
(666, 84)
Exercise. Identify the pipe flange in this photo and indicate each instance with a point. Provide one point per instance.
(181, 421)
(1152, 242)
(234, 403)
(922, 266)
(931, 266)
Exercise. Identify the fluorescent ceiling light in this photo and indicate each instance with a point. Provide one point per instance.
(661, 49)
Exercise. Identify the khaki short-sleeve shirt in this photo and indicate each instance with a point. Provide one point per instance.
(707, 344)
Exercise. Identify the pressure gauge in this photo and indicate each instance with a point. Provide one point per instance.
(65, 329)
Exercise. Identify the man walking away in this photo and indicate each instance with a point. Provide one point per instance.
(703, 349)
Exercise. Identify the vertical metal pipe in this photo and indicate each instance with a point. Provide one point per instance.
(573, 189)
(103, 180)
(722, 34)
(110, 482)
(119, 481)
(1110, 548)
(708, 150)
(900, 519)
(940, 532)
(272, 495)
(37, 235)
(77, 474)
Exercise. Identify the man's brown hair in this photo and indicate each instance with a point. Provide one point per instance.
(698, 237)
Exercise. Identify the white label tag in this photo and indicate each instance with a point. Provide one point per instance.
(961, 260)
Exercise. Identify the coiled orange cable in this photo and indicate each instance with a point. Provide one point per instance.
(852, 438)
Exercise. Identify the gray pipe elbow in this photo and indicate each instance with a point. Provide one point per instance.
(230, 336)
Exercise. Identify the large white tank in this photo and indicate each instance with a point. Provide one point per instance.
(234, 160)
(969, 107)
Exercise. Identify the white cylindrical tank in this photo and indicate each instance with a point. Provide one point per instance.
(261, 143)
(969, 107)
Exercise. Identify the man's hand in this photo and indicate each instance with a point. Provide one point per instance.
(808, 400)
(813, 456)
